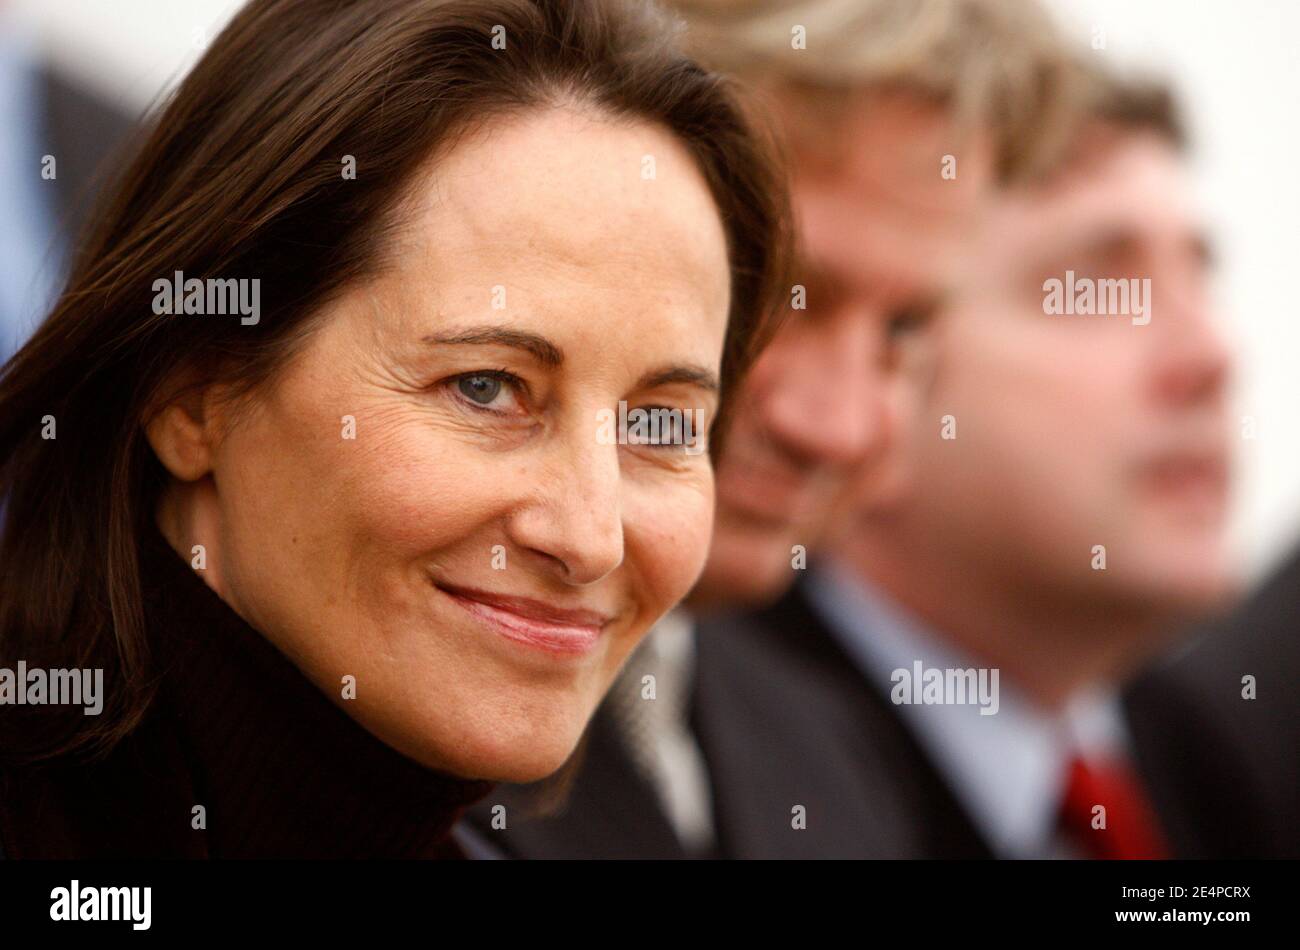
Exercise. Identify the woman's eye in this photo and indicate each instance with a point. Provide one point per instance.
(480, 389)
(495, 391)
(669, 431)
(661, 427)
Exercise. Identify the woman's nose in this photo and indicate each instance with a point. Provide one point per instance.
(571, 521)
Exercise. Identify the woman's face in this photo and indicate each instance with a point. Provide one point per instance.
(424, 500)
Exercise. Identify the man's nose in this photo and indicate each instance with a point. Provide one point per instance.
(826, 401)
(1192, 357)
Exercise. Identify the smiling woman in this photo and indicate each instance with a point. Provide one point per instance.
(346, 565)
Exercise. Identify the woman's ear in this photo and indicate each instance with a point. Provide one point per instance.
(182, 434)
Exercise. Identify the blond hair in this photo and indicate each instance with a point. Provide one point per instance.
(1000, 66)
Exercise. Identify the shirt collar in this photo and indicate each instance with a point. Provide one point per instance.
(1006, 769)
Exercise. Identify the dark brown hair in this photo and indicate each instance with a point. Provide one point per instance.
(240, 174)
(1140, 104)
(1111, 108)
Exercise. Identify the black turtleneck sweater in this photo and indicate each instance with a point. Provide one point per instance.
(279, 770)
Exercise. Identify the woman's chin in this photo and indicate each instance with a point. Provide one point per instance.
(517, 754)
(525, 771)
(518, 765)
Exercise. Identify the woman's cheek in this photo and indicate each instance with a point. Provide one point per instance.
(415, 491)
(676, 526)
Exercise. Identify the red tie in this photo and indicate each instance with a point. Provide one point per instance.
(1131, 831)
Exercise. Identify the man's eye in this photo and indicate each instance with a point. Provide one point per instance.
(908, 320)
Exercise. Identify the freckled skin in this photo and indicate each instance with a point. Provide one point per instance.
(331, 546)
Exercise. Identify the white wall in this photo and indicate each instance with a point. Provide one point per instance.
(133, 48)
(1235, 64)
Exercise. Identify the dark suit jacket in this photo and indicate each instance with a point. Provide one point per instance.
(1261, 639)
(785, 719)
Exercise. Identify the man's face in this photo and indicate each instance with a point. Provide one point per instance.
(1075, 431)
(879, 227)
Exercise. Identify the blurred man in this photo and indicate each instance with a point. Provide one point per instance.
(897, 130)
(1063, 515)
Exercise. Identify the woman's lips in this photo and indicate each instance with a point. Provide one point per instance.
(533, 622)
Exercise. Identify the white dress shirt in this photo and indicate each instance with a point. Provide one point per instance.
(1008, 770)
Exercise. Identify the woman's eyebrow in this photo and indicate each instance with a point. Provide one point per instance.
(682, 373)
(542, 349)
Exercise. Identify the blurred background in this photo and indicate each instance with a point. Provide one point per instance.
(1233, 65)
